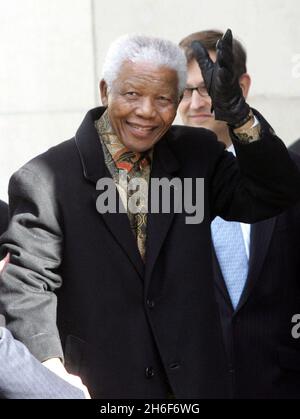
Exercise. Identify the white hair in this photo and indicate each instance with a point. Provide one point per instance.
(139, 48)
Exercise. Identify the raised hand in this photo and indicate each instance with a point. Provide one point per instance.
(228, 101)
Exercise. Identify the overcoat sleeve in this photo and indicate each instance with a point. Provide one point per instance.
(29, 281)
(260, 183)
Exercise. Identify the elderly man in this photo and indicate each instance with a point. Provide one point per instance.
(128, 294)
(256, 267)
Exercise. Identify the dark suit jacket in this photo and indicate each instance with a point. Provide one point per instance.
(23, 377)
(263, 357)
(131, 330)
(3, 217)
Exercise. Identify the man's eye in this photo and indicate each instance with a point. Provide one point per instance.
(131, 94)
(163, 99)
(187, 92)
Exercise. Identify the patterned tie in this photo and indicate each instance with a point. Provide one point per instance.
(127, 160)
(136, 165)
(231, 253)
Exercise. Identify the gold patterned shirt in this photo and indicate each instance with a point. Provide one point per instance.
(123, 163)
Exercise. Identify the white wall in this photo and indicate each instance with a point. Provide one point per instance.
(51, 53)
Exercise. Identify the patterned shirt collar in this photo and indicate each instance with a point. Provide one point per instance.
(119, 153)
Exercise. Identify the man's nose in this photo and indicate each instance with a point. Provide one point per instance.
(146, 108)
(197, 101)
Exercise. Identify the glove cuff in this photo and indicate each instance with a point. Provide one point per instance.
(243, 121)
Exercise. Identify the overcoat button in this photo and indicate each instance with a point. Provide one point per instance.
(174, 366)
(149, 372)
(150, 303)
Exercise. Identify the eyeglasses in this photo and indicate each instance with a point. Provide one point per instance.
(188, 92)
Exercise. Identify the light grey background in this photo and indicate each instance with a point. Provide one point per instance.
(51, 52)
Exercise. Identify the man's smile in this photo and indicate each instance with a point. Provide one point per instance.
(140, 130)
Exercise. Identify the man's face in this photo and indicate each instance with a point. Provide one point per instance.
(195, 109)
(142, 104)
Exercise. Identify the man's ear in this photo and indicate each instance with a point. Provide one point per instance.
(245, 83)
(103, 92)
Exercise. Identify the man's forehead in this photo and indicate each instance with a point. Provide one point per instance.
(144, 72)
(194, 75)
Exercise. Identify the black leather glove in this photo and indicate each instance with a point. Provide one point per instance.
(222, 84)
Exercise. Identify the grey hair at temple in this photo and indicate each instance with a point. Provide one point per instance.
(139, 48)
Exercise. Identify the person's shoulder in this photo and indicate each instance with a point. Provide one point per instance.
(190, 137)
(295, 147)
(53, 161)
(57, 153)
(3, 216)
(3, 211)
(292, 215)
(295, 157)
(3, 206)
(191, 134)
(193, 144)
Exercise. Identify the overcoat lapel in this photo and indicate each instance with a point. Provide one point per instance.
(94, 168)
(261, 235)
(164, 165)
